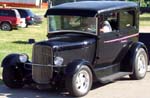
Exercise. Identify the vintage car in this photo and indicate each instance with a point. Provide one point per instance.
(88, 41)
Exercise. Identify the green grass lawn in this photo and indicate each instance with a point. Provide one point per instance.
(145, 20)
(16, 41)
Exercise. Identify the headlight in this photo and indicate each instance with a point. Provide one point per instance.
(23, 58)
(58, 61)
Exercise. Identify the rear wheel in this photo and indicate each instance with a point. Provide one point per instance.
(26, 25)
(6, 26)
(80, 83)
(12, 77)
(140, 63)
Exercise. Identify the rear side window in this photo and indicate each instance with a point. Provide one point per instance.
(11, 13)
(127, 19)
(108, 22)
(22, 13)
(7, 13)
(25, 13)
(30, 13)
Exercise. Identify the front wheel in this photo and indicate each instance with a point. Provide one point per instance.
(80, 83)
(140, 63)
(12, 77)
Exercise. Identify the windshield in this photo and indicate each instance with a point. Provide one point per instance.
(78, 23)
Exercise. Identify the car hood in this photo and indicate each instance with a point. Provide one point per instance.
(68, 41)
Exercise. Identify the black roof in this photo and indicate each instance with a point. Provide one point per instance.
(56, 2)
(88, 8)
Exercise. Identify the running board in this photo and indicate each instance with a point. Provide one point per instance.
(113, 77)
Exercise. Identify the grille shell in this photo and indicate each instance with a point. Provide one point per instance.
(42, 55)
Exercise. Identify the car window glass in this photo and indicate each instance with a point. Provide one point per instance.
(22, 13)
(109, 22)
(7, 13)
(126, 19)
(1, 13)
(4, 12)
(79, 23)
(30, 13)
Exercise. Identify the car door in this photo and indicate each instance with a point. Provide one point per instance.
(108, 47)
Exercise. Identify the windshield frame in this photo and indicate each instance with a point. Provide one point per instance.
(76, 31)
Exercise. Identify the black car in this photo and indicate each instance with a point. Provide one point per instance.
(87, 41)
(28, 15)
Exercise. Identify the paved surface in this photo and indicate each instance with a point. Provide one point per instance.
(145, 29)
(123, 88)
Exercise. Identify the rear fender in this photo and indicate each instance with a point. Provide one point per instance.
(135, 47)
(128, 60)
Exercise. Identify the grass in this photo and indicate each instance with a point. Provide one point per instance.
(16, 41)
(145, 20)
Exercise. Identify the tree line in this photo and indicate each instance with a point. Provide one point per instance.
(143, 3)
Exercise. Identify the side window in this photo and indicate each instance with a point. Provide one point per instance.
(126, 19)
(22, 13)
(109, 22)
(1, 13)
(7, 13)
(4, 13)
(11, 13)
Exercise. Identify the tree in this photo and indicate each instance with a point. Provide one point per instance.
(143, 3)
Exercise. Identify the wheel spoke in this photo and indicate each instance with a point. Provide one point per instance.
(82, 81)
(141, 64)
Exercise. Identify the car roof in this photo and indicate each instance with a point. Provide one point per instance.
(23, 9)
(88, 8)
(5, 9)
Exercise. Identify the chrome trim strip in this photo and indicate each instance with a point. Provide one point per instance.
(122, 38)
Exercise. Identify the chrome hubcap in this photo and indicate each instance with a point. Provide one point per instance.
(82, 81)
(141, 64)
(5, 27)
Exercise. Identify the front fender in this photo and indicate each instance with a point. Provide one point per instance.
(10, 60)
(74, 66)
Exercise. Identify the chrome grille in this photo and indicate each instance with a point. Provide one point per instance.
(42, 55)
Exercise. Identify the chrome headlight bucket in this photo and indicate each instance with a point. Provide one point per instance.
(58, 61)
(23, 58)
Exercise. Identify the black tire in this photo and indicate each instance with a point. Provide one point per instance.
(140, 63)
(26, 26)
(71, 82)
(6, 26)
(12, 77)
